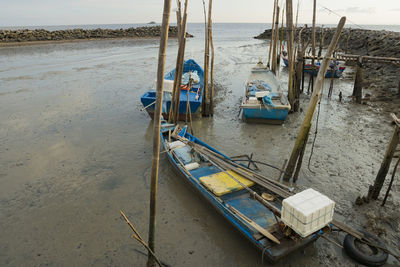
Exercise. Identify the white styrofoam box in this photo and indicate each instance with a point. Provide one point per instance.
(262, 94)
(168, 85)
(253, 100)
(176, 144)
(192, 166)
(307, 212)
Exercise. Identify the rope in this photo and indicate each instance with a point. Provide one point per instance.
(337, 14)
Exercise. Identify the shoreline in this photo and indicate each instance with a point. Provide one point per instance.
(41, 36)
(29, 43)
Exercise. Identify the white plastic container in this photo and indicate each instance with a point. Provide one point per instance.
(176, 144)
(253, 100)
(262, 94)
(168, 85)
(307, 212)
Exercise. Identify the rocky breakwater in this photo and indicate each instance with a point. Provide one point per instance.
(382, 79)
(25, 35)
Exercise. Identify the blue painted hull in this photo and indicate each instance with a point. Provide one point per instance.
(149, 98)
(195, 95)
(270, 114)
(240, 200)
(328, 74)
(308, 69)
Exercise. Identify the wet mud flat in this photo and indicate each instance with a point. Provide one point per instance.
(75, 149)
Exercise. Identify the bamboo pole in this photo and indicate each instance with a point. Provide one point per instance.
(171, 115)
(181, 55)
(275, 41)
(151, 262)
(301, 140)
(281, 37)
(212, 73)
(137, 236)
(206, 99)
(272, 33)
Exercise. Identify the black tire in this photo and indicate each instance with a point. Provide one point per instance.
(375, 257)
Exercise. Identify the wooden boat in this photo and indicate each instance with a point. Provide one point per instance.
(336, 73)
(263, 100)
(194, 95)
(188, 156)
(308, 68)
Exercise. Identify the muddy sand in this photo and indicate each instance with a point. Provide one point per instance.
(75, 150)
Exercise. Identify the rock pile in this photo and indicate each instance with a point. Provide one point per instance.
(383, 77)
(25, 35)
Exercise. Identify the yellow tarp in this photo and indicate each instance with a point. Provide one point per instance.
(221, 183)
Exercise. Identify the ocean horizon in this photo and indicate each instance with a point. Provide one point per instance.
(395, 28)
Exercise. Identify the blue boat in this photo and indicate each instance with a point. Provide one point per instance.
(264, 101)
(230, 199)
(195, 94)
(308, 68)
(337, 73)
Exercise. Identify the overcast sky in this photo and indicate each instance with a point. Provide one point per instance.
(64, 12)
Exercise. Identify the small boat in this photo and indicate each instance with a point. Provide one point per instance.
(188, 156)
(308, 68)
(337, 72)
(264, 101)
(195, 94)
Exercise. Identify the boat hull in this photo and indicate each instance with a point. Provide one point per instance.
(194, 96)
(308, 69)
(272, 252)
(265, 115)
(148, 101)
(328, 74)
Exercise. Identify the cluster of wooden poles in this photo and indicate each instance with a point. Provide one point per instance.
(208, 91)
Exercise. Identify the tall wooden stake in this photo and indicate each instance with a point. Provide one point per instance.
(171, 116)
(281, 34)
(272, 34)
(212, 73)
(301, 140)
(180, 63)
(313, 44)
(275, 41)
(206, 99)
(290, 41)
(151, 262)
(357, 90)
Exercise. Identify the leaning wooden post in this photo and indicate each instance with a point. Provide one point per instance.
(357, 91)
(299, 67)
(391, 182)
(301, 140)
(209, 24)
(380, 177)
(151, 262)
(289, 38)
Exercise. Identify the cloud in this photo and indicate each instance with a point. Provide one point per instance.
(356, 9)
